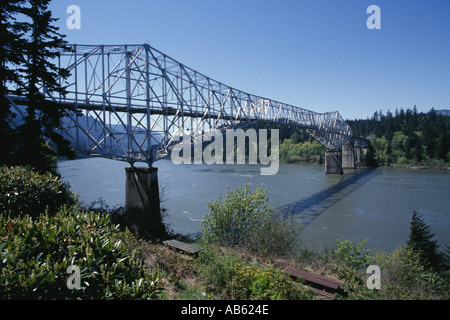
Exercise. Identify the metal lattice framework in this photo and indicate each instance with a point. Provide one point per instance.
(133, 102)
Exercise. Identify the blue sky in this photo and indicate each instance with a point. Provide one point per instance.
(318, 54)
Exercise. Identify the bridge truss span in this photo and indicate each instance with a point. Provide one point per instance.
(134, 102)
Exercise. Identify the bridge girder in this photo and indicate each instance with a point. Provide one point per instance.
(133, 102)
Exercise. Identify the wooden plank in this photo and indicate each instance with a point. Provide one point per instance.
(182, 246)
(323, 293)
(320, 292)
(313, 278)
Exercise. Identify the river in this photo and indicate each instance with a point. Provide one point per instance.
(376, 204)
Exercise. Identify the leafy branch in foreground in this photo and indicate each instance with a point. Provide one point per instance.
(35, 254)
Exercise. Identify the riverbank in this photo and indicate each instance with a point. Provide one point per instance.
(392, 165)
(219, 273)
(417, 167)
(119, 264)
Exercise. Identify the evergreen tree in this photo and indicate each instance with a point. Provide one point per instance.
(409, 145)
(389, 153)
(420, 239)
(446, 262)
(430, 133)
(443, 140)
(39, 142)
(370, 159)
(11, 56)
(442, 147)
(418, 147)
(413, 137)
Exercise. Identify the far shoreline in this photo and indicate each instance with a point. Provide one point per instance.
(392, 165)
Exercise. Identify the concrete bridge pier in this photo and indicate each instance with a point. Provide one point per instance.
(349, 155)
(358, 156)
(142, 198)
(333, 162)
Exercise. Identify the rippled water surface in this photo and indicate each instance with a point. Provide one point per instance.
(374, 204)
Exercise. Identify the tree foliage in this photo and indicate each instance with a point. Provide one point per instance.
(30, 43)
(24, 191)
(407, 137)
(11, 56)
(405, 277)
(421, 240)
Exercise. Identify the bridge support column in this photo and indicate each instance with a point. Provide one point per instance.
(349, 155)
(333, 162)
(358, 156)
(142, 198)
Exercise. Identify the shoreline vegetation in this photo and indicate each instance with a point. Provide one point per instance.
(405, 139)
(244, 247)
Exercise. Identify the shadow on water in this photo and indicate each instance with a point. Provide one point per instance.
(311, 207)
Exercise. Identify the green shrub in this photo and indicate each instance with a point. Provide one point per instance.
(24, 191)
(252, 282)
(275, 235)
(352, 255)
(217, 269)
(404, 276)
(243, 218)
(229, 277)
(230, 220)
(403, 161)
(35, 255)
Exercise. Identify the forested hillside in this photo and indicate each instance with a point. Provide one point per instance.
(404, 138)
(407, 137)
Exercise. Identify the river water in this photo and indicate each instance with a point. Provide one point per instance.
(376, 204)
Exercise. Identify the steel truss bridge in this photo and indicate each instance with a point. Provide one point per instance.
(133, 103)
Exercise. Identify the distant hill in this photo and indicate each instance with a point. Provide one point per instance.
(114, 143)
(444, 112)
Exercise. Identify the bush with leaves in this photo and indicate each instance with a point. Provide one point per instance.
(276, 235)
(231, 219)
(231, 278)
(352, 255)
(253, 282)
(404, 276)
(244, 218)
(25, 191)
(35, 255)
